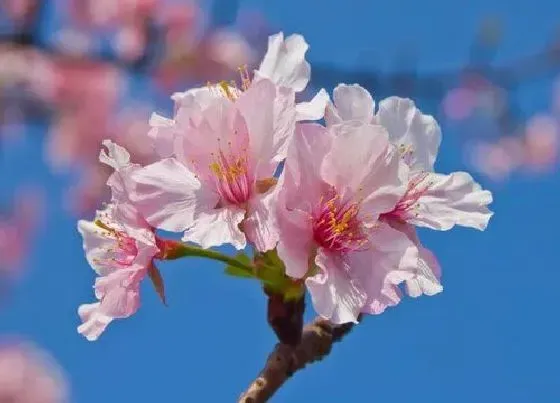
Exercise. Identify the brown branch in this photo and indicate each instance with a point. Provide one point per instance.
(316, 343)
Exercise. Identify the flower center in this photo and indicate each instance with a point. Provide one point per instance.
(409, 202)
(124, 251)
(231, 177)
(336, 225)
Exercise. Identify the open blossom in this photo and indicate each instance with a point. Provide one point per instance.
(29, 375)
(222, 149)
(431, 200)
(120, 247)
(335, 184)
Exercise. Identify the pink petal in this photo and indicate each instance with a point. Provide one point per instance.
(392, 259)
(295, 242)
(427, 274)
(361, 164)
(306, 153)
(169, 195)
(336, 295)
(162, 134)
(260, 226)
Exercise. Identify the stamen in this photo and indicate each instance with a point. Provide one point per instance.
(245, 79)
(336, 225)
(232, 177)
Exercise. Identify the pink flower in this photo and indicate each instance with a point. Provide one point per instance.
(222, 149)
(224, 153)
(431, 200)
(335, 184)
(120, 247)
(28, 375)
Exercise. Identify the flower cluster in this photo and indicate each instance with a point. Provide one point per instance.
(331, 206)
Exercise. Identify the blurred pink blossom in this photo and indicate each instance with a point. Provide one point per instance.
(86, 98)
(459, 103)
(498, 160)
(16, 229)
(30, 375)
(102, 13)
(541, 142)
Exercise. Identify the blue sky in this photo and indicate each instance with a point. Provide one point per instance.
(490, 336)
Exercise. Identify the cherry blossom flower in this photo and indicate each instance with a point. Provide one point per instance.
(225, 144)
(120, 247)
(29, 375)
(335, 184)
(431, 200)
(226, 155)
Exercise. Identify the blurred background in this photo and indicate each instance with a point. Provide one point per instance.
(75, 72)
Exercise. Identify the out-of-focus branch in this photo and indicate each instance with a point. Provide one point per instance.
(316, 343)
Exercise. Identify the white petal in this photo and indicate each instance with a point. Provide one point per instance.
(96, 246)
(353, 102)
(284, 62)
(169, 195)
(217, 227)
(314, 109)
(426, 280)
(336, 295)
(450, 200)
(94, 322)
(201, 97)
(407, 126)
(116, 157)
